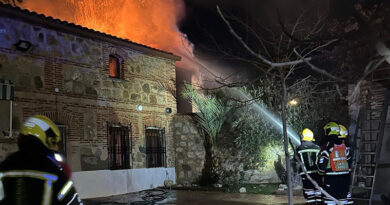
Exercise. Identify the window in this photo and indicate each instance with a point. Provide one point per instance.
(115, 67)
(6, 97)
(63, 133)
(155, 147)
(119, 146)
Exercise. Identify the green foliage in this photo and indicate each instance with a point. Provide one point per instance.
(259, 139)
(212, 112)
(231, 180)
(265, 189)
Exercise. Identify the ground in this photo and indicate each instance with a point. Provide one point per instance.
(183, 197)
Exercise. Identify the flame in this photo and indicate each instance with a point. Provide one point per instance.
(149, 22)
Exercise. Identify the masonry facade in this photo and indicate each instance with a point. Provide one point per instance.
(65, 75)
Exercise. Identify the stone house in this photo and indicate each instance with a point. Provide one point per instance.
(105, 93)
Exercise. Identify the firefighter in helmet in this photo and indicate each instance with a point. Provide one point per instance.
(307, 153)
(33, 175)
(333, 164)
(343, 135)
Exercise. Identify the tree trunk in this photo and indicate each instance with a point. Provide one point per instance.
(285, 138)
(208, 177)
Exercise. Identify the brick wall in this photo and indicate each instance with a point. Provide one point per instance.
(87, 97)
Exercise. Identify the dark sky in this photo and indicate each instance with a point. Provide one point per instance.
(209, 33)
(202, 20)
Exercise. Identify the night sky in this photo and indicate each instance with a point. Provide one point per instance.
(209, 33)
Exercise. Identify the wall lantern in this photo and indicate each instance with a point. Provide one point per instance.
(23, 45)
(139, 107)
(168, 110)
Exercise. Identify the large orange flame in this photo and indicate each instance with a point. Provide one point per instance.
(149, 22)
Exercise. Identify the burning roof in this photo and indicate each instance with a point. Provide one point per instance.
(64, 26)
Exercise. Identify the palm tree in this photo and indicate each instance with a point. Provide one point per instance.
(210, 115)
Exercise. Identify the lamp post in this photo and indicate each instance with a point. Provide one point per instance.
(293, 102)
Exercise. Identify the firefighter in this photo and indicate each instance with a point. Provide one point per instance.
(33, 175)
(333, 164)
(343, 135)
(307, 153)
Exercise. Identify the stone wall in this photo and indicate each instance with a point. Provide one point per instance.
(190, 155)
(87, 98)
(189, 150)
(7, 147)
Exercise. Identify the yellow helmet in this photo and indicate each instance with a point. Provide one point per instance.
(332, 128)
(343, 132)
(307, 135)
(44, 129)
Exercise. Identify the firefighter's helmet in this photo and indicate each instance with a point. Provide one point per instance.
(332, 128)
(343, 132)
(307, 135)
(44, 129)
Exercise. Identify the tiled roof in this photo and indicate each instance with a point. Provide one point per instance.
(33, 17)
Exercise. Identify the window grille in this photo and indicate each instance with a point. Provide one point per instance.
(155, 147)
(119, 146)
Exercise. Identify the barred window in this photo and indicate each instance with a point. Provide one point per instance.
(155, 147)
(119, 146)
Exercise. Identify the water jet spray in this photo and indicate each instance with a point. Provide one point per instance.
(270, 117)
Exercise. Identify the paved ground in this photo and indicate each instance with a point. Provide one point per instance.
(180, 197)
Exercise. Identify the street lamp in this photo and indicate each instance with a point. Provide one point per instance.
(293, 102)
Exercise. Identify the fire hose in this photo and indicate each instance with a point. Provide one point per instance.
(152, 197)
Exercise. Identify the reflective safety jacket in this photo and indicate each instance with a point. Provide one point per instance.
(308, 152)
(32, 177)
(334, 162)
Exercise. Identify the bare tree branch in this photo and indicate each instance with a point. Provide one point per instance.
(307, 39)
(322, 46)
(294, 29)
(339, 91)
(319, 70)
(258, 55)
(252, 31)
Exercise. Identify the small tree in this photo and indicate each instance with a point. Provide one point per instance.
(299, 47)
(210, 116)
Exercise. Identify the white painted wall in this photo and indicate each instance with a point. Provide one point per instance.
(100, 183)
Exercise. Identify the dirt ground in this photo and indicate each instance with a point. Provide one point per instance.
(181, 197)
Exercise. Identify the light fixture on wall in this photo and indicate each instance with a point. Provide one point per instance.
(168, 110)
(139, 107)
(22, 45)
